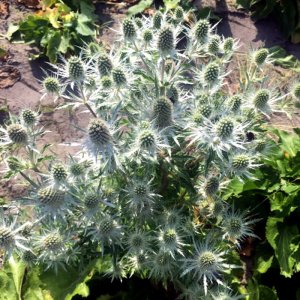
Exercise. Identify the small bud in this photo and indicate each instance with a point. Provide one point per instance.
(225, 128)
(59, 173)
(211, 73)
(157, 19)
(148, 36)
(205, 110)
(260, 145)
(75, 69)
(166, 41)
(173, 94)
(106, 82)
(51, 85)
(138, 22)
(17, 134)
(235, 103)
(228, 44)
(260, 56)
(119, 77)
(179, 13)
(129, 29)
(240, 162)
(214, 45)
(163, 109)
(104, 65)
(99, 133)
(146, 139)
(201, 31)
(29, 117)
(91, 201)
(77, 169)
(261, 99)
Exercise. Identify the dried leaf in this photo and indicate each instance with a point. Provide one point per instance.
(4, 10)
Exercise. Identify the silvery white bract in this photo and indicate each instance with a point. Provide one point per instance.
(163, 139)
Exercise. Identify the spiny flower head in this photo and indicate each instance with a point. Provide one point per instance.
(77, 169)
(51, 85)
(214, 45)
(99, 133)
(157, 19)
(29, 117)
(261, 99)
(166, 41)
(173, 94)
(104, 64)
(129, 31)
(237, 226)
(205, 110)
(75, 68)
(260, 56)
(170, 241)
(228, 44)
(224, 128)
(179, 13)
(17, 134)
(147, 36)
(211, 73)
(260, 145)
(137, 241)
(202, 30)
(235, 103)
(138, 22)
(59, 173)
(91, 201)
(147, 139)
(52, 241)
(51, 198)
(240, 162)
(119, 77)
(163, 110)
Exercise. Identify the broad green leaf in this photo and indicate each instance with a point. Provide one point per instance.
(139, 7)
(171, 4)
(283, 59)
(84, 26)
(53, 45)
(65, 42)
(12, 31)
(7, 286)
(263, 264)
(272, 231)
(266, 293)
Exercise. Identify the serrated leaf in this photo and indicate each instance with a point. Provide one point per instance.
(171, 4)
(53, 45)
(17, 268)
(84, 25)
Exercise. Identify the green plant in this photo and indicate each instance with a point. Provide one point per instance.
(287, 14)
(164, 140)
(59, 28)
(276, 192)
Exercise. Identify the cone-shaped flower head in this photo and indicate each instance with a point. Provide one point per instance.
(163, 109)
(173, 94)
(261, 99)
(59, 172)
(240, 162)
(17, 134)
(214, 45)
(51, 85)
(201, 31)
(104, 64)
(119, 77)
(179, 13)
(211, 73)
(228, 44)
(235, 103)
(99, 133)
(225, 127)
(91, 201)
(166, 41)
(129, 31)
(157, 19)
(29, 117)
(147, 35)
(260, 56)
(211, 186)
(75, 68)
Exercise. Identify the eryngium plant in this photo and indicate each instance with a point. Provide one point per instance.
(164, 139)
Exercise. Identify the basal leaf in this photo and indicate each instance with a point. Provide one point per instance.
(53, 45)
(139, 7)
(84, 25)
(171, 4)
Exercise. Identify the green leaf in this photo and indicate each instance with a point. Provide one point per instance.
(139, 8)
(266, 293)
(17, 269)
(84, 25)
(53, 45)
(171, 4)
(65, 42)
(283, 59)
(272, 230)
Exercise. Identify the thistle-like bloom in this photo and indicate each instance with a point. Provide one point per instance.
(29, 117)
(163, 113)
(10, 239)
(240, 165)
(162, 266)
(206, 265)
(202, 30)
(166, 42)
(138, 242)
(157, 20)
(237, 226)
(140, 196)
(170, 241)
(14, 134)
(261, 57)
(129, 31)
